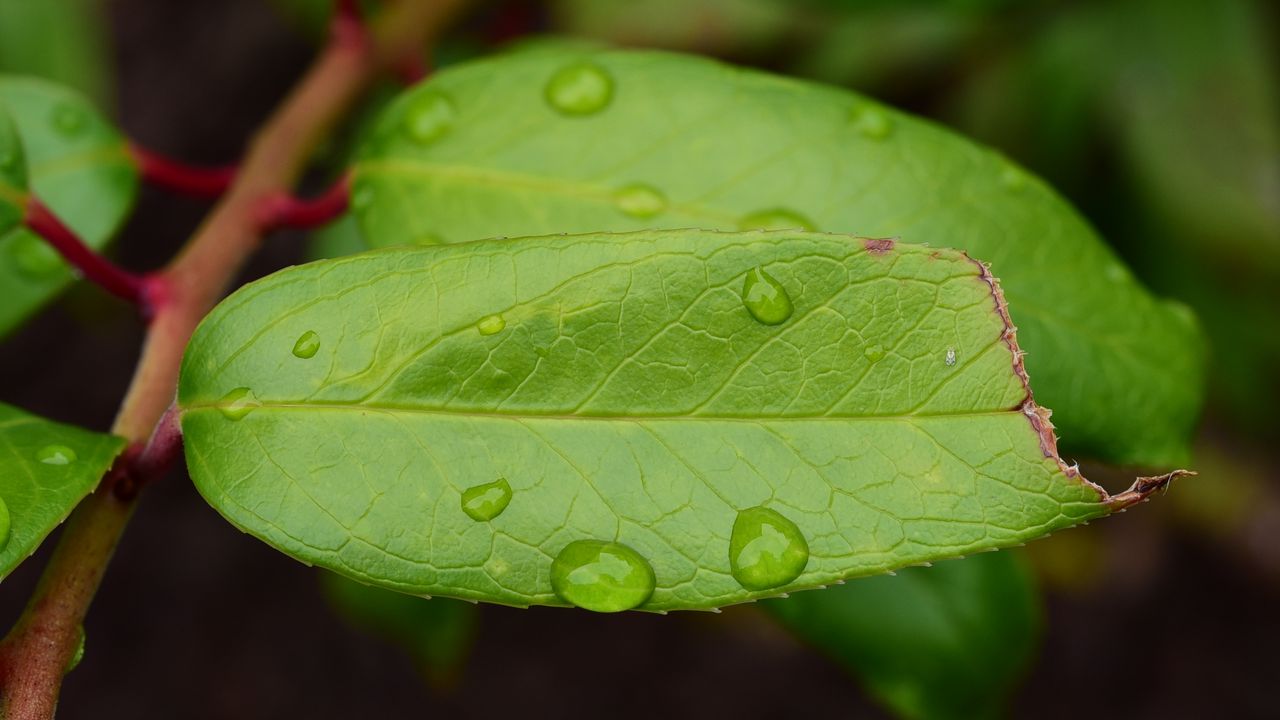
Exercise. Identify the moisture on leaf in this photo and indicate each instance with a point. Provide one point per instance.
(48, 468)
(585, 140)
(660, 445)
(78, 165)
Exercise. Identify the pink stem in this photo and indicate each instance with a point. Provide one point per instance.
(196, 181)
(286, 211)
(97, 269)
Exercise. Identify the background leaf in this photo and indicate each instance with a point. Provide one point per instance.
(79, 166)
(48, 468)
(61, 41)
(941, 642)
(482, 150)
(656, 389)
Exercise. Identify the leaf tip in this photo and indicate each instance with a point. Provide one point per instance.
(1145, 487)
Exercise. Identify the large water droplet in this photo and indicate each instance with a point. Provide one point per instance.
(582, 88)
(68, 119)
(428, 116)
(33, 257)
(775, 219)
(766, 550)
(874, 352)
(307, 346)
(765, 298)
(601, 576)
(56, 455)
(491, 325)
(874, 124)
(238, 403)
(486, 502)
(640, 201)
(4, 524)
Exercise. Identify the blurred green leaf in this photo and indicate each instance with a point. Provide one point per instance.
(78, 165)
(949, 641)
(437, 633)
(59, 40)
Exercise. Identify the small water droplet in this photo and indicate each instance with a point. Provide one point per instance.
(874, 124)
(361, 195)
(766, 550)
(491, 325)
(765, 298)
(1012, 178)
(1116, 272)
(33, 257)
(56, 455)
(427, 239)
(238, 403)
(775, 219)
(582, 88)
(951, 356)
(640, 201)
(428, 117)
(874, 352)
(487, 501)
(4, 524)
(307, 346)
(68, 119)
(601, 576)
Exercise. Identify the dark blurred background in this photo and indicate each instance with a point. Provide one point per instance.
(1158, 118)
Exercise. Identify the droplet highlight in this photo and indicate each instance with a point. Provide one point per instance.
(874, 352)
(428, 117)
(491, 325)
(766, 550)
(307, 346)
(765, 298)
(872, 123)
(640, 201)
(582, 88)
(1012, 178)
(776, 219)
(601, 576)
(361, 195)
(56, 455)
(238, 403)
(69, 120)
(486, 502)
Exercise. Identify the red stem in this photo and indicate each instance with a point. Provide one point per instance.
(41, 220)
(167, 173)
(284, 210)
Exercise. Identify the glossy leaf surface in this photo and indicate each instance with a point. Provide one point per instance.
(685, 142)
(48, 468)
(77, 164)
(629, 398)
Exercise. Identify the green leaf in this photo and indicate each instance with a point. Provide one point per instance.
(79, 166)
(941, 642)
(436, 633)
(686, 142)
(62, 41)
(48, 468)
(624, 390)
(13, 176)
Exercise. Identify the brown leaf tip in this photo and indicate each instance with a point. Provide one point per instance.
(1143, 488)
(879, 246)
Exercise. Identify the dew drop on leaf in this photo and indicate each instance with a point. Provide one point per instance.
(238, 403)
(491, 325)
(582, 88)
(428, 117)
(428, 239)
(872, 123)
(33, 257)
(56, 455)
(1012, 178)
(776, 219)
(766, 550)
(361, 196)
(601, 576)
(68, 120)
(765, 298)
(640, 201)
(307, 346)
(487, 501)
(874, 352)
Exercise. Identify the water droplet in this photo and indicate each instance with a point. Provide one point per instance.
(33, 257)
(428, 117)
(4, 523)
(874, 352)
(775, 219)
(766, 550)
(307, 346)
(238, 403)
(428, 239)
(361, 195)
(68, 119)
(765, 298)
(872, 123)
(491, 325)
(1012, 178)
(640, 201)
(601, 576)
(951, 356)
(486, 502)
(56, 455)
(1116, 272)
(582, 88)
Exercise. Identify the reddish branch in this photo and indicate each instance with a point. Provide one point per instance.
(167, 173)
(41, 220)
(35, 653)
(282, 209)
